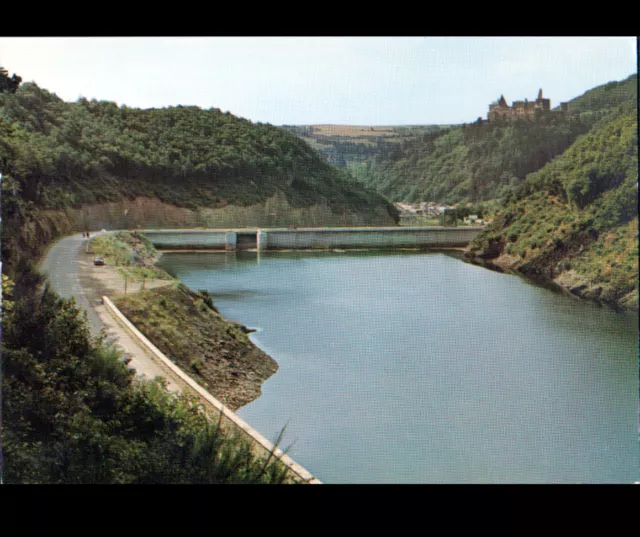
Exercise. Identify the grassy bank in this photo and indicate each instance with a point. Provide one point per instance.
(132, 253)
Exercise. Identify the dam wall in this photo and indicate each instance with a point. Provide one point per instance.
(181, 239)
(312, 238)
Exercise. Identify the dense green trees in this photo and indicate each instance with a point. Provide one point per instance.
(603, 160)
(595, 103)
(478, 161)
(72, 412)
(475, 162)
(97, 151)
(576, 219)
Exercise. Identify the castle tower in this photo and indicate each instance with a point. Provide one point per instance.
(498, 109)
(542, 103)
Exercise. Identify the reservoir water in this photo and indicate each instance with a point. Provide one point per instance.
(416, 367)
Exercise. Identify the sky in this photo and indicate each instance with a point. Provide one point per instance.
(322, 80)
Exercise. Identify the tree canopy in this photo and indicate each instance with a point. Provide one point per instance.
(473, 162)
(66, 154)
(8, 85)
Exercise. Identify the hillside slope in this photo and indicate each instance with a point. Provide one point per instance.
(575, 222)
(91, 164)
(72, 410)
(359, 149)
(483, 161)
(596, 102)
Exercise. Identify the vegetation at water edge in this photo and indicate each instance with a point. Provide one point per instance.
(73, 413)
(576, 220)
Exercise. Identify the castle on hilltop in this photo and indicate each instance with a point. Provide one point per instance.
(521, 109)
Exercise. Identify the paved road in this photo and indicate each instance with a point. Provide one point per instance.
(69, 268)
(60, 264)
(71, 273)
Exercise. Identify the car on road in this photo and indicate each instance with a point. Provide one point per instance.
(98, 262)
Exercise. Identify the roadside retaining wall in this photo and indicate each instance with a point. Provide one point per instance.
(229, 419)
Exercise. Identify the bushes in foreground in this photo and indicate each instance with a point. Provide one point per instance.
(73, 413)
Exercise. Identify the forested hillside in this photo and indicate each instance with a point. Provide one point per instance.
(480, 161)
(72, 411)
(90, 151)
(595, 103)
(59, 155)
(575, 221)
(475, 162)
(357, 149)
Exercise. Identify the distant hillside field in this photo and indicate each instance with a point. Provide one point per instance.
(356, 148)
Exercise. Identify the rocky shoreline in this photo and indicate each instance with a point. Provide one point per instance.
(567, 281)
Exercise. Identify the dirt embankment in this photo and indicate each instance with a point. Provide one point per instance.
(213, 351)
(276, 211)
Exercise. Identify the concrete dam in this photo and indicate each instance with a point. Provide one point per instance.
(311, 238)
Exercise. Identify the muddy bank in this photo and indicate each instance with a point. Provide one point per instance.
(547, 240)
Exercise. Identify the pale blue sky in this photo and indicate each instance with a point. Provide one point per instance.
(311, 80)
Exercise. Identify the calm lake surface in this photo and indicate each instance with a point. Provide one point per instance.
(413, 367)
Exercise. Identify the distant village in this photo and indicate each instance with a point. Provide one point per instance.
(430, 209)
